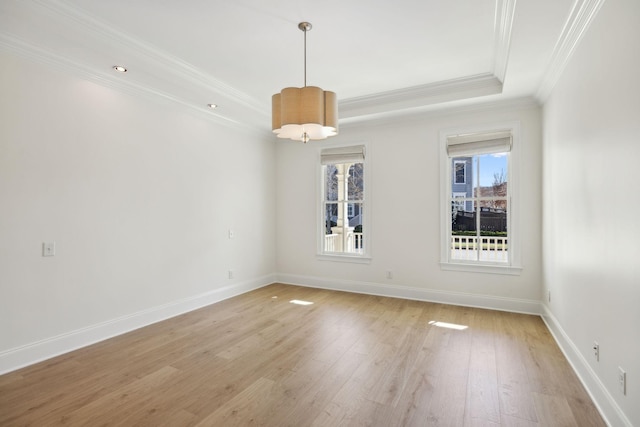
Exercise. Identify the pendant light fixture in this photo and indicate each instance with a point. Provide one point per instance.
(305, 113)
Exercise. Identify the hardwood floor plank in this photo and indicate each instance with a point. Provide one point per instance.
(245, 408)
(513, 380)
(509, 421)
(346, 359)
(584, 412)
(128, 399)
(448, 402)
(315, 398)
(483, 403)
(553, 411)
(412, 408)
(396, 378)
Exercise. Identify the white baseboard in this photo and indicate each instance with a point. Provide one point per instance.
(421, 294)
(19, 357)
(603, 400)
(609, 409)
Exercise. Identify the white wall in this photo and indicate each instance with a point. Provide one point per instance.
(138, 197)
(592, 207)
(405, 182)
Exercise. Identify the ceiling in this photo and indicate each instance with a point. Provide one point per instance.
(382, 58)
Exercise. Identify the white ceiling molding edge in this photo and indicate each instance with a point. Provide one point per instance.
(36, 54)
(581, 16)
(512, 104)
(109, 34)
(418, 96)
(407, 100)
(505, 10)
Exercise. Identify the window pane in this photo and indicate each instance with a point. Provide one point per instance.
(355, 186)
(355, 220)
(463, 234)
(356, 243)
(331, 182)
(493, 230)
(461, 202)
(348, 237)
(461, 183)
(459, 172)
(330, 216)
(492, 174)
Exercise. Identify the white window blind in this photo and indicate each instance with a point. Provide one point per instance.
(332, 156)
(479, 143)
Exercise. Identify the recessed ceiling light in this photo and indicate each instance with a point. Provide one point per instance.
(120, 68)
(212, 106)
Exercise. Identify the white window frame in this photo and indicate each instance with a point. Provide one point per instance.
(365, 256)
(514, 265)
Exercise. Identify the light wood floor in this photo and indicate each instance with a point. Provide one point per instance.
(347, 359)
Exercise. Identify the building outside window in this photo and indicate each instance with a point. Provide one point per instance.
(459, 171)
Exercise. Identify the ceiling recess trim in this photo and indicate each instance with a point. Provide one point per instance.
(110, 34)
(581, 16)
(419, 96)
(53, 61)
(421, 113)
(410, 99)
(505, 10)
(393, 103)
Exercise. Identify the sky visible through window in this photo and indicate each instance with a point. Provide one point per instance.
(490, 164)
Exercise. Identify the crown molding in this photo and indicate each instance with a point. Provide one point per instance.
(249, 112)
(419, 96)
(448, 90)
(61, 11)
(66, 65)
(111, 35)
(580, 17)
(505, 10)
(512, 104)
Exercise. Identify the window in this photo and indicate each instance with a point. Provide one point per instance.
(343, 231)
(459, 171)
(459, 202)
(477, 201)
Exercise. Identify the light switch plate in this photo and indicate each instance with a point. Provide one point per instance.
(49, 249)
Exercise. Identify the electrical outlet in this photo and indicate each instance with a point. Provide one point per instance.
(622, 380)
(549, 295)
(230, 274)
(389, 274)
(596, 351)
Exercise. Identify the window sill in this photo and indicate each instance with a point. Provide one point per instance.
(355, 259)
(481, 268)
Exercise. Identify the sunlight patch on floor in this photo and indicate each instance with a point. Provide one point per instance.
(300, 302)
(448, 325)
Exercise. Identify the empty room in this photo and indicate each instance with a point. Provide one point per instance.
(303, 213)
